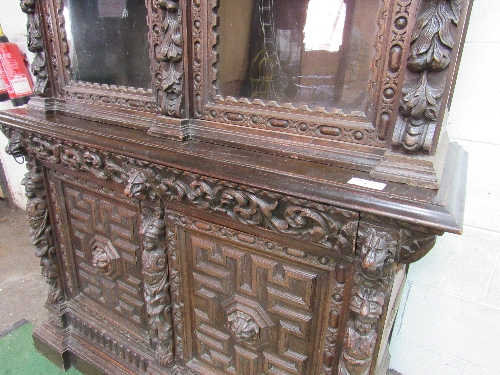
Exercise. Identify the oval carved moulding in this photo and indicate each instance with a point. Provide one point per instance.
(369, 126)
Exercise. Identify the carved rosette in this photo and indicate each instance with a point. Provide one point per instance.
(432, 42)
(38, 216)
(169, 53)
(35, 45)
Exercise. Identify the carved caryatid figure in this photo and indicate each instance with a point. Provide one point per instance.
(170, 52)
(156, 288)
(41, 232)
(361, 337)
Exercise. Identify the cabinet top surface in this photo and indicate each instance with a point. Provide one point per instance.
(441, 210)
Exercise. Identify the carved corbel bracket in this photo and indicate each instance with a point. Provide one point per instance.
(35, 45)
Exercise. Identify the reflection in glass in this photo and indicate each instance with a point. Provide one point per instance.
(108, 42)
(315, 52)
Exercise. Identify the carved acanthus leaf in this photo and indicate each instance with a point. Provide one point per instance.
(432, 42)
(421, 100)
(432, 39)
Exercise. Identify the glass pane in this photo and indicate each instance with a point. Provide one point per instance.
(108, 41)
(315, 52)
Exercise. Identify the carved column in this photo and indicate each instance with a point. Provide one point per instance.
(154, 266)
(41, 231)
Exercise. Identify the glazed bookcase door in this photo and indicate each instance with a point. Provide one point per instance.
(248, 305)
(128, 78)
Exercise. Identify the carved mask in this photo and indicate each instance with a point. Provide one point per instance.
(367, 304)
(375, 249)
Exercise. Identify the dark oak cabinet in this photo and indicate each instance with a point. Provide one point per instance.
(235, 187)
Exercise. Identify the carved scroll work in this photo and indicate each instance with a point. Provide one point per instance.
(35, 45)
(326, 226)
(378, 249)
(41, 231)
(432, 42)
(169, 53)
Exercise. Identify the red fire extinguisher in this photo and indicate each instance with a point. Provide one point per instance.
(14, 72)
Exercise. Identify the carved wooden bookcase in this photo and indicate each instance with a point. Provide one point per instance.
(228, 220)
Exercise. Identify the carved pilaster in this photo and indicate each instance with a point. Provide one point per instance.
(154, 268)
(170, 53)
(432, 44)
(376, 251)
(41, 230)
(382, 243)
(35, 45)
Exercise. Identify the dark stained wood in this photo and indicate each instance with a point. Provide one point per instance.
(182, 232)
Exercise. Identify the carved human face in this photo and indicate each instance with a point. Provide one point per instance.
(362, 328)
(373, 258)
(101, 260)
(367, 304)
(136, 186)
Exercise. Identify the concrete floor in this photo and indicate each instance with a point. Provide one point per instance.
(23, 290)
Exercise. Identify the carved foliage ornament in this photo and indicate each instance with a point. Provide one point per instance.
(327, 226)
(432, 42)
(169, 52)
(35, 45)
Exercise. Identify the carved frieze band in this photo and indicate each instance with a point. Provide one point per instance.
(432, 42)
(38, 216)
(328, 226)
(35, 45)
(104, 340)
(170, 53)
(325, 225)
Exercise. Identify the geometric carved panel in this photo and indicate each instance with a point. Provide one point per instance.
(105, 240)
(251, 312)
